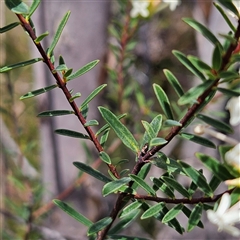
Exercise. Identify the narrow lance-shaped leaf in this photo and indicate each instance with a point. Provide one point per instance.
(229, 92)
(195, 217)
(217, 58)
(114, 186)
(106, 126)
(149, 129)
(173, 183)
(17, 6)
(122, 132)
(92, 95)
(124, 222)
(58, 33)
(152, 211)
(187, 63)
(159, 184)
(38, 92)
(197, 178)
(171, 214)
(188, 212)
(219, 170)
(105, 157)
(192, 94)
(203, 30)
(157, 142)
(215, 123)
(163, 100)
(82, 70)
(93, 172)
(197, 139)
(41, 37)
(54, 113)
(230, 6)
(99, 225)
(155, 125)
(18, 65)
(171, 123)
(124, 237)
(33, 7)
(225, 16)
(73, 213)
(70, 133)
(198, 63)
(174, 82)
(91, 123)
(9, 27)
(142, 184)
(131, 207)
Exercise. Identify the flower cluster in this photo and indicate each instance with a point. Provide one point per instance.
(145, 8)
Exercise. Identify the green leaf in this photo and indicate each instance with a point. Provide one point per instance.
(198, 63)
(61, 67)
(18, 65)
(91, 123)
(171, 123)
(124, 222)
(104, 137)
(187, 63)
(173, 223)
(174, 82)
(106, 126)
(17, 6)
(84, 111)
(58, 33)
(152, 211)
(41, 37)
(193, 93)
(187, 212)
(229, 92)
(168, 164)
(70, 133)
(172, 213)
(76, 95)
(157, 142)
(142, 174)
(122, 132)
(38, 92)
(9, 27)
(156, 125)
(235, 196)
(142, 184)
(67, 73)
(114, 186)
(105, 157)
(214, 182)
(221, 126)
(217, 58)
(197, 139)
(83, 70)
(227, 76)
(163, 100)
(99, 225)
(33, 7)
(149, 130)
(203, 30)
(159, 184)
(131, 207)
(92, 95)
(173, 183)
(218, 169)
(195, 217)
(197, 178)
(54, 113)
(225, 16)
(72, 212)
(230, 6)
(93, 172)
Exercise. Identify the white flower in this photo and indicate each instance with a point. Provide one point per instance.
(232, 157)
(139, 8)
(225, 217)
(172, 3)
(233, 106)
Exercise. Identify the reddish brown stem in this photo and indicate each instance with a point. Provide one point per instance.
(62, 84)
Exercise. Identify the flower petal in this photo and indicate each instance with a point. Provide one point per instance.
(224, 204)
(233, 105)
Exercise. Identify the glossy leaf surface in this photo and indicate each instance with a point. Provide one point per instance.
(9, 27)
(99, 225)
(54, 113)
(70, 133)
